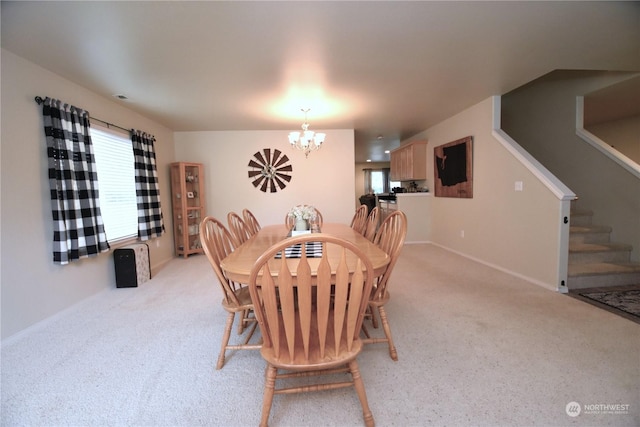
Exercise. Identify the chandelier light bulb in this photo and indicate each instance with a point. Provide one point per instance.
(293, 137)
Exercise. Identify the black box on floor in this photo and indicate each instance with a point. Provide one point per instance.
(132, 265)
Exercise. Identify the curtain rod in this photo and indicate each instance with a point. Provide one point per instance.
(40, 101)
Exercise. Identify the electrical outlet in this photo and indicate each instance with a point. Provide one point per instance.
(157, 243)
(462, 233)
(519, 186)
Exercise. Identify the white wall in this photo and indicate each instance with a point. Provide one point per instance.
(32, 287)
(325, 179)
(621, 134)
(513, 231)
(541, 116)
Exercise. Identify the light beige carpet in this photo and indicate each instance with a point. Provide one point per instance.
(477, 347)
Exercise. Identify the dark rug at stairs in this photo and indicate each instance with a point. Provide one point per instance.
(622, 301)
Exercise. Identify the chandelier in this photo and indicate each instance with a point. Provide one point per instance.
(307, 140)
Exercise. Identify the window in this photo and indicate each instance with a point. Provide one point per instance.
(377, 181)
(116, 181)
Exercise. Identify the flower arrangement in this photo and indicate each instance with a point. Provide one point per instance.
(306, 212)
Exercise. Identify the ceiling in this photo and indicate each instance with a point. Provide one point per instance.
(387, 69)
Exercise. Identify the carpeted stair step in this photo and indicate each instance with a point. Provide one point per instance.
(581, 217)
(589, 234)
(592, 275)
(599, 252)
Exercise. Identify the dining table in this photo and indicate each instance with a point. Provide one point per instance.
(237, 266)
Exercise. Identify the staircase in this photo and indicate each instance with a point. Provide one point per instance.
(595, 261)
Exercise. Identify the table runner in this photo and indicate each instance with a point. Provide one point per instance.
(313, 249)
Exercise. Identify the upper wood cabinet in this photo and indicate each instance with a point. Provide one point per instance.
(409, 162)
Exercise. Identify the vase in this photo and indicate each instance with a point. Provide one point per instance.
(301, 224)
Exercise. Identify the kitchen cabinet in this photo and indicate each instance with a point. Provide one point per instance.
(409, 162)
(187, 197)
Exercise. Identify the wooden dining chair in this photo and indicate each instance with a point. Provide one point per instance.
(372, 224)
(252, 223)
(390, 238)
(318, 221)
(359, 220)
(218, 244)
(240, 232)
(289, 221)
(308, 330)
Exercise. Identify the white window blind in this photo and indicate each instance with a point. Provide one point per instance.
(116, 181)
(377, 182)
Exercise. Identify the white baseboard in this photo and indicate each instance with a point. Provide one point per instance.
(46, 321)
(545, 285)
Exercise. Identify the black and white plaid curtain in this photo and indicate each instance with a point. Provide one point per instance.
(150, 223)
(78, 231)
